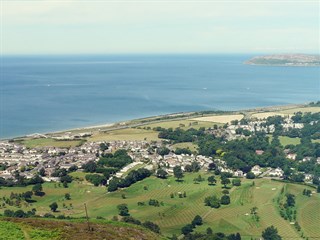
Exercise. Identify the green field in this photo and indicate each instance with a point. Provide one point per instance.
(49, 142)
(128, 134)
(193, 147)
(284, 140)
(176, 212)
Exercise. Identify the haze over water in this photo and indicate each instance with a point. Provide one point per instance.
(43, 94)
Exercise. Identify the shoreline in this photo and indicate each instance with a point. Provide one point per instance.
(158, 118)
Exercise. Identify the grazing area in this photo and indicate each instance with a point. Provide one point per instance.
(220, 118)
(127, 134)
(267, 114)
(314, 109)
(183, 124)
(49, 142)
(180, 201)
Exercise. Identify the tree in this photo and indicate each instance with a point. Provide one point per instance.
(236, 182)
(163, 151)
(209, 231)
(225, 200)
(67, 196)
(37, 189)
(197, 221)
(161, 173)
(195, 166)
(212, 166)
(187, 229)
(211, 180)
(123, 209)
(318, 189)
(177, 172)
(53, 206)
(90, 166)
(65, 184)
(225, 191)
(271, 233)
(42, 172)
(250, 175)
(19, 214)
(225, 182)
(212, 201)
(113, 185)
(290, 200)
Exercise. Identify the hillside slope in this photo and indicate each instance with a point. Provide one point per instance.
(32, 228)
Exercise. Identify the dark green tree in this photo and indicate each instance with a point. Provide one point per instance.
(225, 182)
(212, 180)
(187, 229)
(271, 233)
(67, 196)
(177, 172)
(161, 173)
(123, 209)
(197, 221)
(53, 206)
(225, 200)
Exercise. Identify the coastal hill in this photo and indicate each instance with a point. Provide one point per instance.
(286, 60)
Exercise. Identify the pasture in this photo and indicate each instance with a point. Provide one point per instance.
(183, 124)
(220, 118)
(265, 115)
(301, 109)
(128, 134)
(189, 145)
(175, 212)
(49, 142)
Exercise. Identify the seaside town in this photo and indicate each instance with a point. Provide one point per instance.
(15, 157)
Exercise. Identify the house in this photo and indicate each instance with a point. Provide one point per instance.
(291, 156)
(259, 152)
(278, 172)
(308, 177)
(238, 173)
(256, 170)
(306, 159)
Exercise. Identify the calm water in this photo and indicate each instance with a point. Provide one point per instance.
(41, 94)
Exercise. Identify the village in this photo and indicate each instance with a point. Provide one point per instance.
(28, 162)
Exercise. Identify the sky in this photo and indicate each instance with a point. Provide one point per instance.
(159, 26)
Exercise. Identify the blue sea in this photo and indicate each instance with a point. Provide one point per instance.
(50, 93)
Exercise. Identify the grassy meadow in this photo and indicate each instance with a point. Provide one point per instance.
(49, 142)
(176, 212)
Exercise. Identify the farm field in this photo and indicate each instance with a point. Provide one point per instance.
(264, 115)
(176, 212)
(220, 118)
(183, 124)
(49, 142)
(128, 134)
(301, 109)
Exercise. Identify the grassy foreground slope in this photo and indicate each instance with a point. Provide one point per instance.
(177, 212)
(43, 229)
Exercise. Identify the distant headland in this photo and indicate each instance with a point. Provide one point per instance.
(286, 60)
